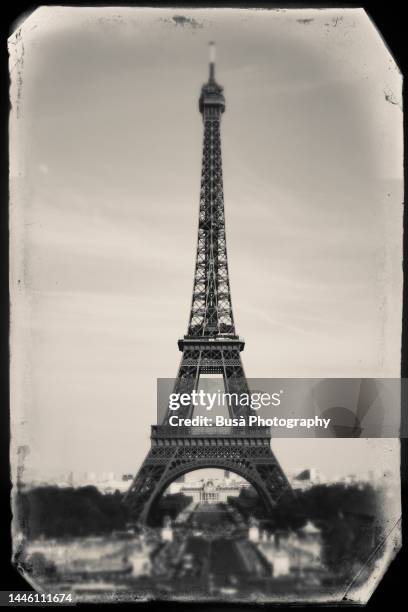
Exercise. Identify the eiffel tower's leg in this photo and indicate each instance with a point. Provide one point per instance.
(234, 380)
(144, 486)
(187, 379)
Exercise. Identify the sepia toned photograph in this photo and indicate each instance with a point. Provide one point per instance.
(206, 287)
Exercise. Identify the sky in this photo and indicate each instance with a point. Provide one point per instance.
(106, 143)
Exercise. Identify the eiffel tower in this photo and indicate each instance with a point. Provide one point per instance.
(211, 346)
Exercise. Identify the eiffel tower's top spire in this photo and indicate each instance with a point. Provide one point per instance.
(211, 92)
(212, 62)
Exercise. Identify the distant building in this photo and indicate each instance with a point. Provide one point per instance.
(212, 491)
(307, 478)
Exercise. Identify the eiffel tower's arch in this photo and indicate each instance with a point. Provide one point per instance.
(246, 453)
(188, 468)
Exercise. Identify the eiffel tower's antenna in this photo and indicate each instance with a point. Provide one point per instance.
(212, 60)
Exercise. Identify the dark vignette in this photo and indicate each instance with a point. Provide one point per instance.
(390, 23)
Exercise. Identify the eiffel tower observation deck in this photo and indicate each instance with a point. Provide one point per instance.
(211, 346)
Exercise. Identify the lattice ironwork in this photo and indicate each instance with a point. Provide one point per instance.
(210, 346)
(211, 309)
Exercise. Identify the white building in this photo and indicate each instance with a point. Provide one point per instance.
(210, 491)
